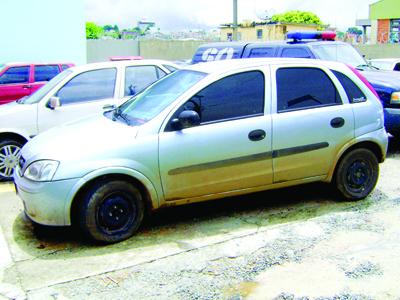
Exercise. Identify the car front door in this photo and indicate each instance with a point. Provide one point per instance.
(14, 83)
(311, 123)
(83, 95)
(231, 147)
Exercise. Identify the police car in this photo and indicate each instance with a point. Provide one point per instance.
(316, 45)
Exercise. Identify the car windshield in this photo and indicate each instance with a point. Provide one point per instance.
(341, 53)
(40, 93)
(148, 104)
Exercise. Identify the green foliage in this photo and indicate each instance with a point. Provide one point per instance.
(93, 31)
(354, 30)
(296, 16)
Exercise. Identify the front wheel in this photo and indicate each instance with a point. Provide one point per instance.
(10, 152)
(357, 174)
(111, 211)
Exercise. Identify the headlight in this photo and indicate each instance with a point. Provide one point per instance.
(395, 99)
(41, 170)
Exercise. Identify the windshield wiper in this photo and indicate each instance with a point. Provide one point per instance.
(117, 113)
(363, 66)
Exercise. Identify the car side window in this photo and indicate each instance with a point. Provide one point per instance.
(233, 97)
(137, 78)
(353, 92)
(46, 73)
(262, 52)
(295, 52)
(89, 86)
(397, 67)
(304, 88)
(15, 75)
(64, 67)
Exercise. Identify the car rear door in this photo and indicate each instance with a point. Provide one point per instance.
(311, 123)
(14, 83)
(230, 149)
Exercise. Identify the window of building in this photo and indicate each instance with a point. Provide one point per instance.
(89, 86)
(46, 73)
(304, 88)
(394, 31)
(259, 34)
(15, 75)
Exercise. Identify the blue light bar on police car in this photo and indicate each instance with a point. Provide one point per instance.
(311, 35)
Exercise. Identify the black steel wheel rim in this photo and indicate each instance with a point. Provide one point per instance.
(116, 213)
(358, 177)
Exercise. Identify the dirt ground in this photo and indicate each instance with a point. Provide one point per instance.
(296, 243)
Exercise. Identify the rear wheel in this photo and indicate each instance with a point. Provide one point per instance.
(10, 152)
(357, 174)
(111, 211)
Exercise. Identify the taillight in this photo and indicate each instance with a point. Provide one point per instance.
(364, 80)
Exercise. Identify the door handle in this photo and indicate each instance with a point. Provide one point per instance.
(26, 86)
(257, 135)
(337, 122)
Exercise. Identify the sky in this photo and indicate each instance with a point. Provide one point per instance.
(176, 15)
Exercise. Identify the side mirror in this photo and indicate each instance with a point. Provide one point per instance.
(54, 102)
(186, 119)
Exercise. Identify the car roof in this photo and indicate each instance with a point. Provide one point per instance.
(19, 63)
(222, 66)
(123, 63)
(270, 43)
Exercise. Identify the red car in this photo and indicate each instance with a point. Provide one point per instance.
(22, 79)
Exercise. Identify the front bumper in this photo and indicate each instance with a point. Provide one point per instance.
(46, 203)
(392, 120)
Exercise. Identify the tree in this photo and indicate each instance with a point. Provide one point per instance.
(354, 30)
(297, 16)
(93, 31)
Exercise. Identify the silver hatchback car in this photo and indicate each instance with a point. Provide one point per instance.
(205, 132)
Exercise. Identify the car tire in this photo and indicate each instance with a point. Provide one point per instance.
(111, 211)
(357, 174)
(10, 151)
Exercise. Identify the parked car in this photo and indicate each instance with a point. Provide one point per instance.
(72, 94)
(388, 64)
(206, 132)
(316, 45)
(21, 79)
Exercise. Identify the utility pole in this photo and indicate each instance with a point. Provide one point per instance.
(235, 21)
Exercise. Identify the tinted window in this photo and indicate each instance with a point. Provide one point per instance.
(300, 88)
(235, 96)
(15, 75)
(262, 52)
(88, 86)
(137, 78)
(396, 67)
(45, 73)
(170, 68)
(64, 67)
(353, 92)
(295, 52)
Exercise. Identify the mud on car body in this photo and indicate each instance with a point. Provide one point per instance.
(316, 45)
(198, 135)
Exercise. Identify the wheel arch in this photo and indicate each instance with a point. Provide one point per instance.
(369, 145)
(13, 136)
(145, 186)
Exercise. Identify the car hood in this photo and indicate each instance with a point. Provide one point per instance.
(80, 140)
(383, 79)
